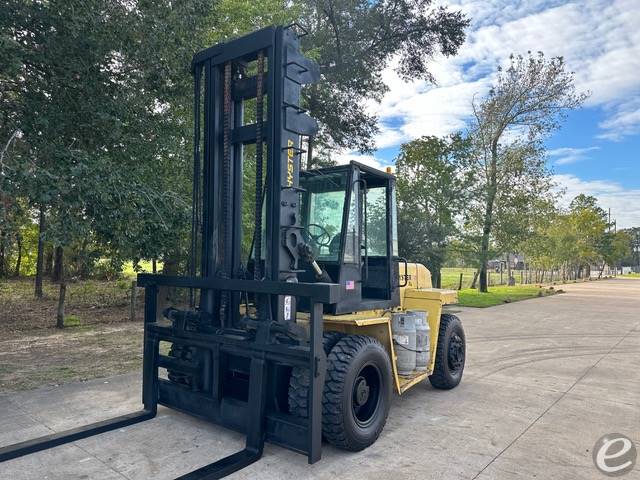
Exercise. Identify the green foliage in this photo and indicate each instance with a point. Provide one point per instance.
(527, 102)
(614, 246)
(434, 187)
(72, 321)
(633, 256)
(353, 42)
(471, 297)
(96, 95)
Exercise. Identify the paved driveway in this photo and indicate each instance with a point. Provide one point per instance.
(545, 379)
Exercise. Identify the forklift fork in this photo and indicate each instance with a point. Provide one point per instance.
(60, 438)
(254, 447)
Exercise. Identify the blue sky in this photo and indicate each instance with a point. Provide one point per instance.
(596, 151)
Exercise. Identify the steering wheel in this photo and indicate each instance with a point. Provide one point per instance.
(322, 238)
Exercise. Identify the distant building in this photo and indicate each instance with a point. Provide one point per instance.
(515, 259)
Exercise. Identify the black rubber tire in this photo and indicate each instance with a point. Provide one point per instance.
(299, 381)
(351, 356)
(447, 373)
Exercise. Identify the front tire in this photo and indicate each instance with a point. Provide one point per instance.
(300, 380)
(357, 393)
(450, 353)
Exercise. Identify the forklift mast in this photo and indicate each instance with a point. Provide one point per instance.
(264, 71)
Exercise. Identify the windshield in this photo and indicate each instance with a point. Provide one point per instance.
(322, 212)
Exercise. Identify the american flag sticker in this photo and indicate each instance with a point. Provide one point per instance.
(350, 285)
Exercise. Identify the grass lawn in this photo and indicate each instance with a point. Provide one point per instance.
(631, 275)
(498, 295)
(451, 277)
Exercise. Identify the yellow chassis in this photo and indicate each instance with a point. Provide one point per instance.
(418, 294)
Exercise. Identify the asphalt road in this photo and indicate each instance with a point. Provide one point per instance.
(545, 378)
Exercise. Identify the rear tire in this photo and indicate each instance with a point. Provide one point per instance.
(357, 393)
(450, 353)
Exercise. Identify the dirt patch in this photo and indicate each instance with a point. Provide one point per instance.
(92, 302)
(54, 356)
(104, 341)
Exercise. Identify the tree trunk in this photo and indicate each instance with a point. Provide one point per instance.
(48, 260)
(310, 153)
(3, 261)
(16, 271)
(492, 189)
(39, 258)
(154, 266)
(171, 265)
(58, 264)
(83, 264)
(61, 297)
(436, 278)
(134, 299)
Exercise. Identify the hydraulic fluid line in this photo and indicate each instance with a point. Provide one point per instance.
(257, 236)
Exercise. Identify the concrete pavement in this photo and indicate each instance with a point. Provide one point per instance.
(545, 378)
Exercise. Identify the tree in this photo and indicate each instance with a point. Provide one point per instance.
(526, 227)
(434, 182)
(98, 96)
(526, 103)
(589, 223)
(104, 102)
(352, 43)
(613, 247)
(632, 259)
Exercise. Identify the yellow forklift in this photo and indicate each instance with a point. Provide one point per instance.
(292, 339)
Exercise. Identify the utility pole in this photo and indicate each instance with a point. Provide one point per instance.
(637, 248)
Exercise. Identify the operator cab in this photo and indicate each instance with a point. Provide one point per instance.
(349, 220)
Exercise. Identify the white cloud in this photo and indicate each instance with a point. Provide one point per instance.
(345, 157)
(623, 122)
(568, 155)
(624, 203)
(599, 39)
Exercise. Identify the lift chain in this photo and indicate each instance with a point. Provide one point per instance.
(226, 176)
(259, 166)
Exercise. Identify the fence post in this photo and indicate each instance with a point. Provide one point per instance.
(132, 306)
(460, 282)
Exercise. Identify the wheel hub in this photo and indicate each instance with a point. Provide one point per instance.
(365, 395)
(361, 391)
(456, 353)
